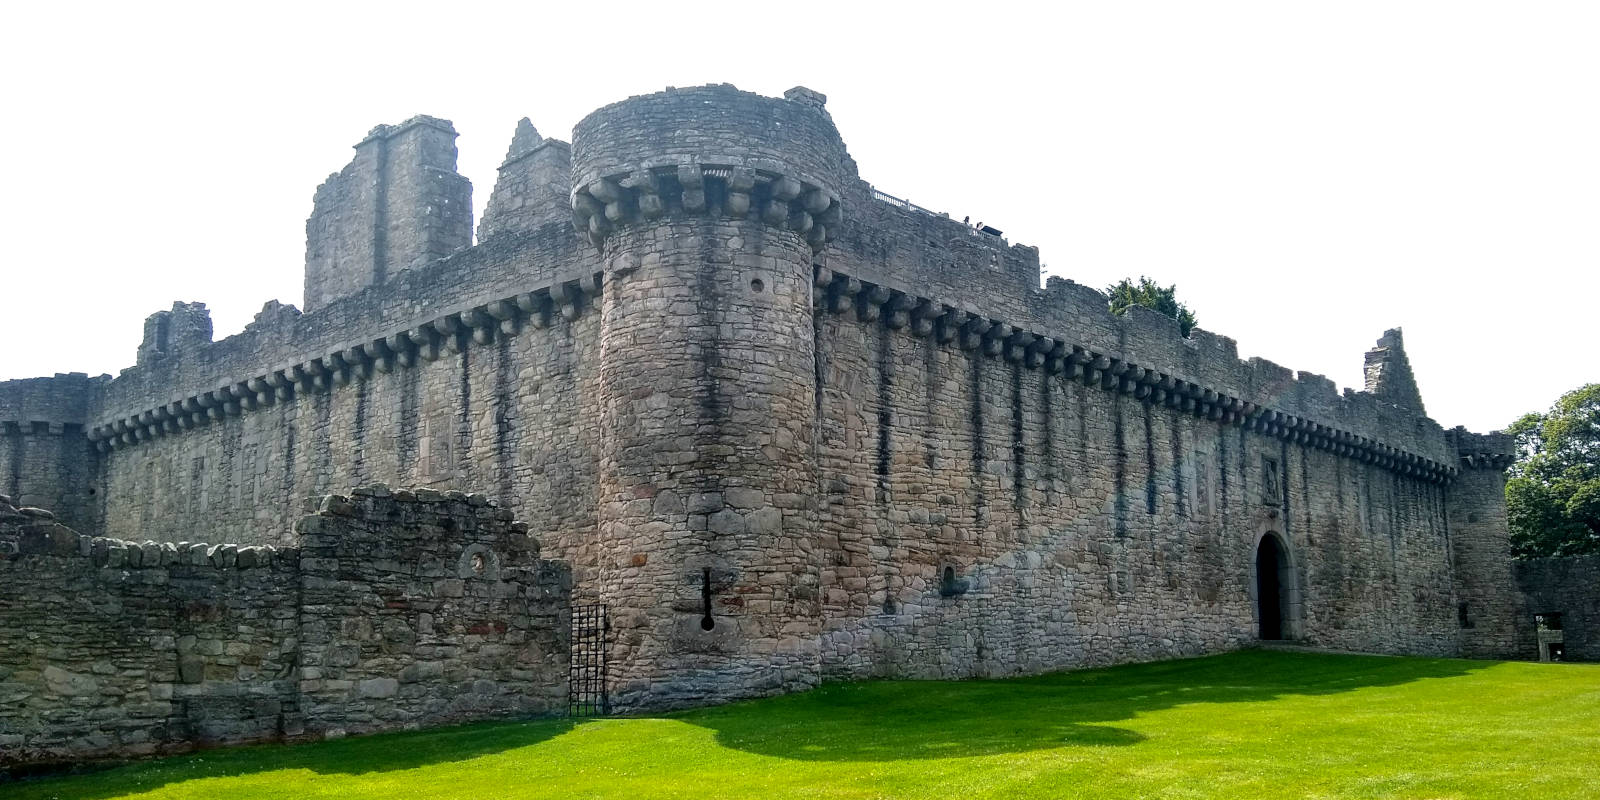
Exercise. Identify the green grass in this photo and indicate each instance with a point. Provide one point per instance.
(1249, 724)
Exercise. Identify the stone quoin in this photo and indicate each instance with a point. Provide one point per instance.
(787, 428)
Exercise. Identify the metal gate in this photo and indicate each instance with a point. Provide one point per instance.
(586, 681)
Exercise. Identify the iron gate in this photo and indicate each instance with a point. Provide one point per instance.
(586, 680)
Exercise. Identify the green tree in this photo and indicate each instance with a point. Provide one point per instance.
(1553, 492)
(1148, 293)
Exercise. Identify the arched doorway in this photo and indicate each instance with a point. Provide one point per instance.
(1272, 588)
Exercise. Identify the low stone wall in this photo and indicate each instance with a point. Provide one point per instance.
(1569, 587)
(397, 609)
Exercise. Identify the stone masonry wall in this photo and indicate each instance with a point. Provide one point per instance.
(1569, 587)
(708, 226)
(399, 609)
(507, 414)
(45, 459)
(113, 648)
(1493, 624)
(1083, 526)
(428, 608)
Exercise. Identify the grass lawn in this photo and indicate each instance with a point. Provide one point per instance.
(1249, 724)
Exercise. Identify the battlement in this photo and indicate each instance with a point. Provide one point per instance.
(1490, 451)
(65, 399)
(780, 161)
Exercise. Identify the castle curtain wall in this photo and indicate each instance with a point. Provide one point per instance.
(1084, 526)
(507, 416)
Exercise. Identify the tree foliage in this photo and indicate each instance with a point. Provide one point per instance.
(1553, 492)
(1126, 293)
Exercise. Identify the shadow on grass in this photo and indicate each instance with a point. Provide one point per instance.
(384, 752)
(901, 720)
(865, 721)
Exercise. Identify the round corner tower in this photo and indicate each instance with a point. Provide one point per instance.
(708, 206)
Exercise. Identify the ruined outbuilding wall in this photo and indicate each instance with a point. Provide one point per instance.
(395, 609)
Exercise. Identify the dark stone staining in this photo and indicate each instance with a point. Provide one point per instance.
(711, 404)
(358, 434)
(819, 367)
(1394, 506)
(410, 421)
(197, 486)
(1019, 447)
(976, 418)
(1178, 488)
(1244, 466)
(1083, 427)
(1444, 516)
(930, 372)
(322, 441)
(1338, 486)
(885, 410)
(504, 420)
(1150, 493)
(18, 442)
(464, 417)
(228, 490)
(1120, 472)
(290, 432)
(1366, 489)
(1283, 485)
(1305, 492)
(1222, 479)
(1047, 447)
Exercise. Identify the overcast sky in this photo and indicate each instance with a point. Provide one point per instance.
(1307, 174)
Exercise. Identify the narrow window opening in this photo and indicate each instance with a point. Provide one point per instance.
(706, 622)
(1463, 618)
(951, 584)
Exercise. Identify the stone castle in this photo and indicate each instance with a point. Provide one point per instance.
(785, 428)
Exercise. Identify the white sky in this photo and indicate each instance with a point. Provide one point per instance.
(1307, 174)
